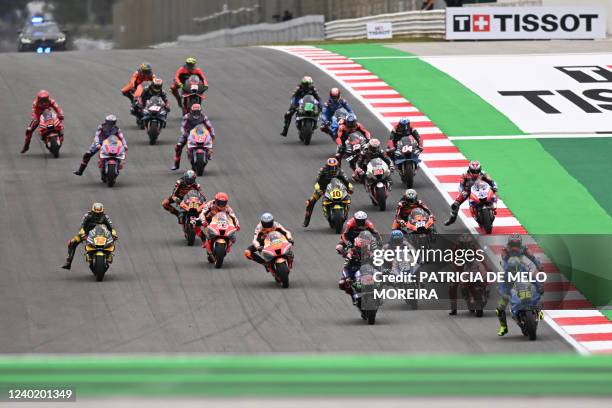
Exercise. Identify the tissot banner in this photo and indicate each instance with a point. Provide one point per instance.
(525, 23)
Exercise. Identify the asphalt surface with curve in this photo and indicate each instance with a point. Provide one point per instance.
(160, 295)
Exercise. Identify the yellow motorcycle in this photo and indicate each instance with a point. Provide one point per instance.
(336, 204)
(99, 250)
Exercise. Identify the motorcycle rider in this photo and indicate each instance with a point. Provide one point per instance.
(107, 129)
(144, 73)
(92, 218)
(265, 226)
(211, 208)
(348, 126)
(352, 263)
(304, 88)
(181, 76)
(358, 223)
(397, 240)
(465, 242)
(402, 129)
(371, 151)
(42, 102)
(156, 88)
(514, 249)
(181, 187)
(192, 119)
(409, 201)
(324, 177)
(473, 173)
(330, 107)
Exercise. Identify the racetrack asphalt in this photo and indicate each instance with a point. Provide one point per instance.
(160, 295)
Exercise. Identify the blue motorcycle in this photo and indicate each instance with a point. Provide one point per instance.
(406, 158)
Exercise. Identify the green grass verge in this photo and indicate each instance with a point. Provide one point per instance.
(314, 375)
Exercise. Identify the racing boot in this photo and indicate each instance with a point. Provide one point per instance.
(71, 250)
(309, 206)
(453, 214)
(178, 150)
(26, 142)
(285, 130)
(81, 169)
(503, 324)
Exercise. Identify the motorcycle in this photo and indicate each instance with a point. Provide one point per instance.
(189, 210)
(378, 182)
(363, 293)
(154, 118)
(99, 249)
(525, 305)
(336, 204)
(475, 294)
(220, 235)
(112, 158)
(199, 146)
(278, 254)
(50, 129)
(406, 158)
(192, 93)
(525, 299)
(306, 118)
(353, 146)
(419, 228)
(483, 205)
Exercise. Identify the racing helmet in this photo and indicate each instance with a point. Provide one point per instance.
(306, 81)
(97, 208)
(360, 218)
(403, 124)
(351, 121)
(334, 94)
(157, 85)
(374, 145)
(515, 241)
(43, 96)
(190, 63)
(267, 220)
(411, 196)
(474, 167)
(189, 177)
(145, 68)
(221, 200)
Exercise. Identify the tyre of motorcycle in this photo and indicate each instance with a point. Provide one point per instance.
(111, 173)
(408, 174)
(306, 129)
(380, 195)
(281, 270)
(99, 266)
(336, 219)
(153, 128)
(199, 162)
(189, 232)
(486, 219)
(219, 252)
(54, 146)
(531, 324)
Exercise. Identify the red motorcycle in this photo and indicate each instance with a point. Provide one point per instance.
(193, 92)
(483, 205)
(50, 130)
(278, 256)
(189, 211)
(220, 235)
